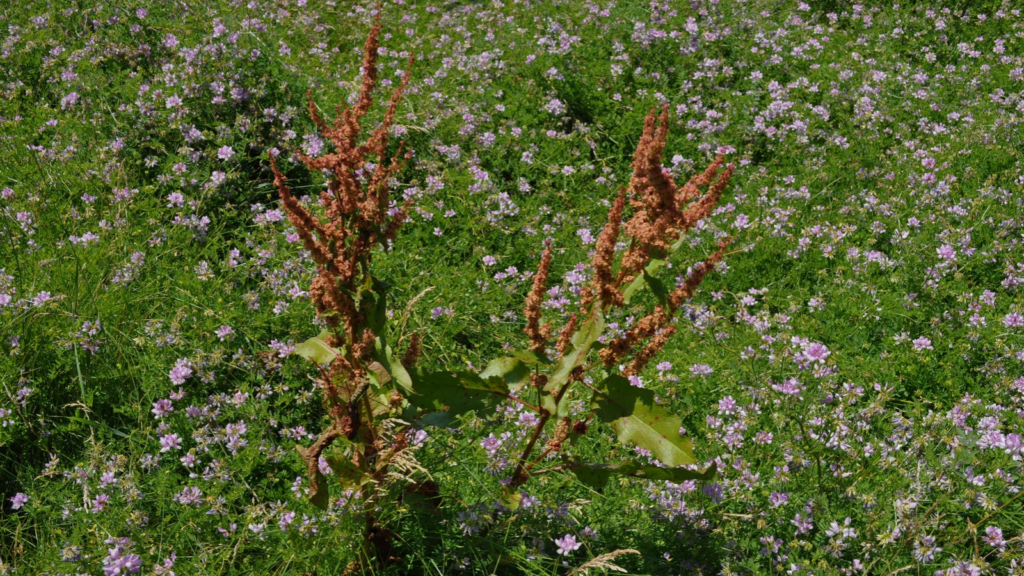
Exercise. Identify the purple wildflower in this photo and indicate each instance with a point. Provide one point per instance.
(947, 253)
(162, 408)
(18, 500)
(286, 519)
(700, 370)
(777, 499)
(225, 333)
(120, 560)
(182, 371)
(994, 538)
(567, 544)
(170, 442)
(189, 496)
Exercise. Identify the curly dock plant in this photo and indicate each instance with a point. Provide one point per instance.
(360, 377)
(374, 397)
(662, 212)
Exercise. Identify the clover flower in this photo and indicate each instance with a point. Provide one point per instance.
(567, 544)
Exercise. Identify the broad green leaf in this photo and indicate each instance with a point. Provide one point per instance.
(581, 341)
(378, 374)
(398, 372)
(510, 498)
(649, 271)
(316, 349)
(512, 371)
(453, 393)
(471, 381)
(632, 288)
(376, 315)
(530, 357)
(566, 364)
(637, 419)
(320, 494)
(547, 402)
(657, 286)
(383, 354)
(383, 404)
(589, 332)
(348, 474)
(597, 475)
(431, 419)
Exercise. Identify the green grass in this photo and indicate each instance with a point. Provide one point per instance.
(850, 180)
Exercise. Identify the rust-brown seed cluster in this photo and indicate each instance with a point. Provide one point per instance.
(356, 217)
(662, 211)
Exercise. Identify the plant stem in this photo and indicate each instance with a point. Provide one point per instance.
(517, 479)
(520, 400)
(558, 468)
(537, 460)
(78, 369)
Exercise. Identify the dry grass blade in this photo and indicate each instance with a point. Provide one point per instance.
(603, 562)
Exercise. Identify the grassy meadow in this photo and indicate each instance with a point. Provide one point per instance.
(854, 368)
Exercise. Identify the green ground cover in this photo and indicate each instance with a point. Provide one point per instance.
(855, 367)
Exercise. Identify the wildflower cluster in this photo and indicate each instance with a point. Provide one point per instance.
(850, 371)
